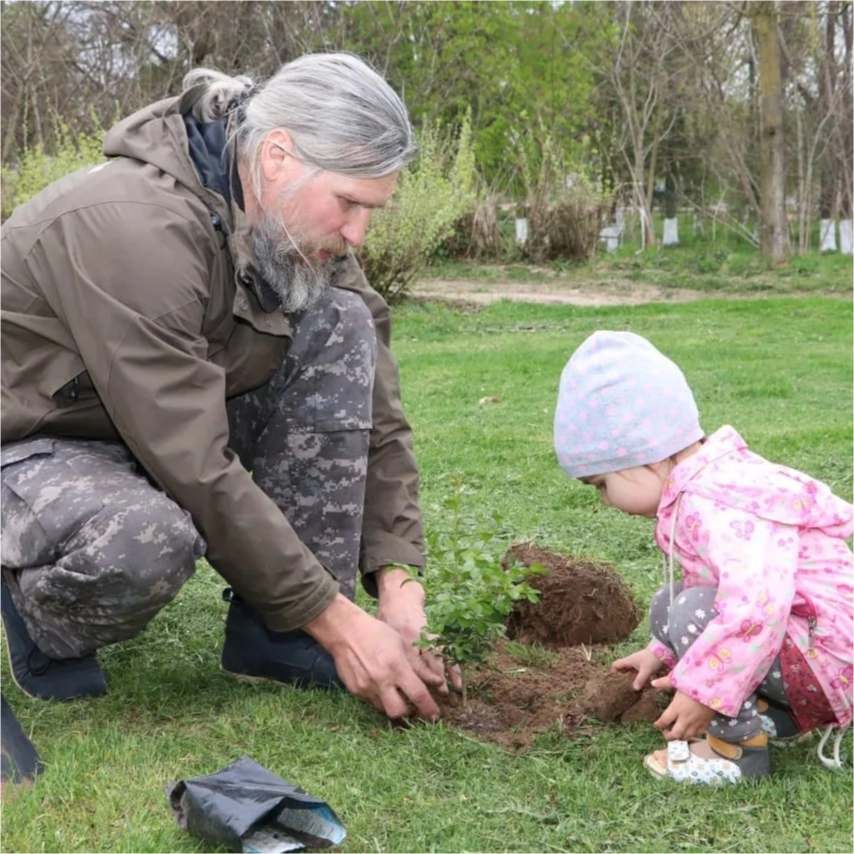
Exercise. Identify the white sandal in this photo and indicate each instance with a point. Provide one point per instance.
(731, 763)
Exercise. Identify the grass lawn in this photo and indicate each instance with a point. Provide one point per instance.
(780, 370)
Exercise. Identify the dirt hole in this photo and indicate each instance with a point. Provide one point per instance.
(552, 675)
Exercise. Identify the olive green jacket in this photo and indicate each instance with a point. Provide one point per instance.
(127, 314)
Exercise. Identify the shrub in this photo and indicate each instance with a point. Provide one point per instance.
(469, 594)
(564, 209)
(566, 229)
(481, 233)
(37, 169)
(431, 196)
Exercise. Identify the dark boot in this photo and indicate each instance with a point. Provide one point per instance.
(39, 676)
(20, 760)
(252, 651)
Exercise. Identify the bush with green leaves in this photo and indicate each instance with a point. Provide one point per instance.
(36, 169)
(431, 196)
(469, 594)
(564, 208)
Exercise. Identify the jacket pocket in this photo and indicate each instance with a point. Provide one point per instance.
(24, 542)
(79, 389)
(51, 490)
(17, 452)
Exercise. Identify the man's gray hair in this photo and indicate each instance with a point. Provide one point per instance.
(341, 115)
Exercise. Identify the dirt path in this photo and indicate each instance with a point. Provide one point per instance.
(587, 293)
(551, 293)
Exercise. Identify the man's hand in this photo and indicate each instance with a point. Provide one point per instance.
(373, 662)
(644, 662)
(401, 606)
(685, 717)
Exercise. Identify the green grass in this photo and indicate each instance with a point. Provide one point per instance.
(724, 268)
(780, 370)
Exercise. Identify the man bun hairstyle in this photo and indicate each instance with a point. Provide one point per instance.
(341, 115)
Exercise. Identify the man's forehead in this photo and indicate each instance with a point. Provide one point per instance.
(368, 192)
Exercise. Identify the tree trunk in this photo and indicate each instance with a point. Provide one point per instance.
(773, 230)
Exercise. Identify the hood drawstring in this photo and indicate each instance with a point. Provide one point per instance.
(835, 762)
(667, 563)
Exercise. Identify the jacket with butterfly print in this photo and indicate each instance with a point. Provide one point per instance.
(772, 540)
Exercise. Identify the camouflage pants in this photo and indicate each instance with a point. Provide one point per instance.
(91, 550)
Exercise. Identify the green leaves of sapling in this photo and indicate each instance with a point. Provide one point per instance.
(469, 594)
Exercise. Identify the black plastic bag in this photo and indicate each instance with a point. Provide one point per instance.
(248, 808)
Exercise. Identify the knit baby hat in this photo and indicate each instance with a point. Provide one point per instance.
(621, 404)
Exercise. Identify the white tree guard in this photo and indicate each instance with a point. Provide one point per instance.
(827, 235)
(671, 232)
(845, 236)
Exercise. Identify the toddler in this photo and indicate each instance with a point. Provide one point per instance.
(757, 635)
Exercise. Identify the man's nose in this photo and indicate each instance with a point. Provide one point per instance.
(356, 227)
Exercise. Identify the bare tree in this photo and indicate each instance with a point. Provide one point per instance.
(637, 76)
(773, 228)
(73, 66)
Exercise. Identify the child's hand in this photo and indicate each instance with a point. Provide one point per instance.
(644, 662)
(685, 717)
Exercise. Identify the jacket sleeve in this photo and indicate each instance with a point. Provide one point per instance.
(149, 365)
(663, 653)
(755, 561)
(392, 531)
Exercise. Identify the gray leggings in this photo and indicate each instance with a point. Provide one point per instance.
(677, 626)
(92, 550)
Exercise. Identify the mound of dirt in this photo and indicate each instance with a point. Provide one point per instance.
(511, 703)
(611, 697)
(581, 601)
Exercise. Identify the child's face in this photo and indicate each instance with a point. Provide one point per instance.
(635, 490)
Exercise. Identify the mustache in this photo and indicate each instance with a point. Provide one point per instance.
(295, 249)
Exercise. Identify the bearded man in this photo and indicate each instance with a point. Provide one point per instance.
(193, 363)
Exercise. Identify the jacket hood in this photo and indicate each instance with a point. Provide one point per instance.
(166, 135)
(157, 134)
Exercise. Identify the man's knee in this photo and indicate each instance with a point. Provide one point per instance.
(349, 310)
(330, 367)
(146, 548)
(118, 570)
(338, 327)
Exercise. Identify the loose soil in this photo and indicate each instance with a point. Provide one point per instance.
(559, 683)
(581, 601)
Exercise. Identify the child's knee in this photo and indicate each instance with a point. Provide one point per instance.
(659, 612)
(692, 610)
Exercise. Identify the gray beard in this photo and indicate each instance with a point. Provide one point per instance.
(297, 284)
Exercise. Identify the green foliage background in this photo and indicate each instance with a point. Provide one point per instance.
(38, 169)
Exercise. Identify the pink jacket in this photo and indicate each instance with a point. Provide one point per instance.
(771, 540)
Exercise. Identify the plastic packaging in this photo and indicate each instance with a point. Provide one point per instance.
(248, 808)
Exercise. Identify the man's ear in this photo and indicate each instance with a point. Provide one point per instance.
(276, 154)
